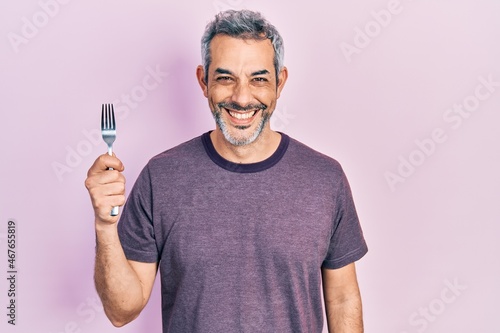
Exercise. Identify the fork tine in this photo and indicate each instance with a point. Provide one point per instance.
(105, 116)
(108, 117)
(112, 117)
(102, 117)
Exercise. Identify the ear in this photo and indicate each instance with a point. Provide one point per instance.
(200, 75)
(282, 77)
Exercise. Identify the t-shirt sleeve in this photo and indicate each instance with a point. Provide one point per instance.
(136, 228)
(347, 243)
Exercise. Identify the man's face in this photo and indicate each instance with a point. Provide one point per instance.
(242, 89)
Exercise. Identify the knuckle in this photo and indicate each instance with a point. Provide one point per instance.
(121, 187)
(92, 192)
(114, 176)
(87, 183)
(97, 197)
(121, 200)
(101, 208)
(100, 160)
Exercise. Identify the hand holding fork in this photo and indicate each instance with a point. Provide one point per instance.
(106, 188)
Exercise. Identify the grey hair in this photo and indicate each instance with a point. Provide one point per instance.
(243, 24)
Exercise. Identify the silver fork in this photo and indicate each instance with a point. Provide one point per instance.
(108, 130)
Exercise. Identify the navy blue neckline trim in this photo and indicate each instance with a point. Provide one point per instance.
(245, 167)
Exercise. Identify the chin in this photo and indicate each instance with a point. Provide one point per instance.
(241, 135)
(241, 140)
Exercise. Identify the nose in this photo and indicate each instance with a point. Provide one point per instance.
(242, 94)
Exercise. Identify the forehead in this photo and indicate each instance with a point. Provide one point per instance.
(226, 51)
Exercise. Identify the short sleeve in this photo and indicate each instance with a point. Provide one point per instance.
(347, 243)
(135, 227)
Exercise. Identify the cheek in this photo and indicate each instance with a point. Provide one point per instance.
(267, 97)
(214, 97)
(219, 92)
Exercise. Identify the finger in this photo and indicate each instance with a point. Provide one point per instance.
(106, 203)
(103, 206)
(103, 210)
(104, 178)
(111, 201)
(104, 162)
(99, 194)
(116, 188)
(109, 176)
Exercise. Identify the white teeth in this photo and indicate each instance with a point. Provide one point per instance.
(245, 115)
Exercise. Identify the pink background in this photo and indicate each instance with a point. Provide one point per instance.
(432, 229)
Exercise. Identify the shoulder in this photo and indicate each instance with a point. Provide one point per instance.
(172, 165)
(182, 154)
(305, 156)
(192, 146)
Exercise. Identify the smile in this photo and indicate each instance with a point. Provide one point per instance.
(242, 115)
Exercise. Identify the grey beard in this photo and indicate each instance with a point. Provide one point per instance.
(240, 141)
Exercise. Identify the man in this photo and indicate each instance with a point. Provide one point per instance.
(244, 223)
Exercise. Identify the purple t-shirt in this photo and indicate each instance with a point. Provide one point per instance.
(240, 246)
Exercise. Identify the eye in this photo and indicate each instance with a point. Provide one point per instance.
(260, 79)
(223, 78)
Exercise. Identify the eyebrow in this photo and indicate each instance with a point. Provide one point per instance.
(226, 71)
(261, 72)
(223, 71)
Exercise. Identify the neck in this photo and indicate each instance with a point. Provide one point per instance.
(262, 148)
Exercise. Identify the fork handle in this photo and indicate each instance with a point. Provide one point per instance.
(115, 210)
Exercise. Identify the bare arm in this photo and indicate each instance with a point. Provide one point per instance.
(124, 286)
(342, 300)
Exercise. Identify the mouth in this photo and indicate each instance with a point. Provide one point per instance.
(242, 115)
